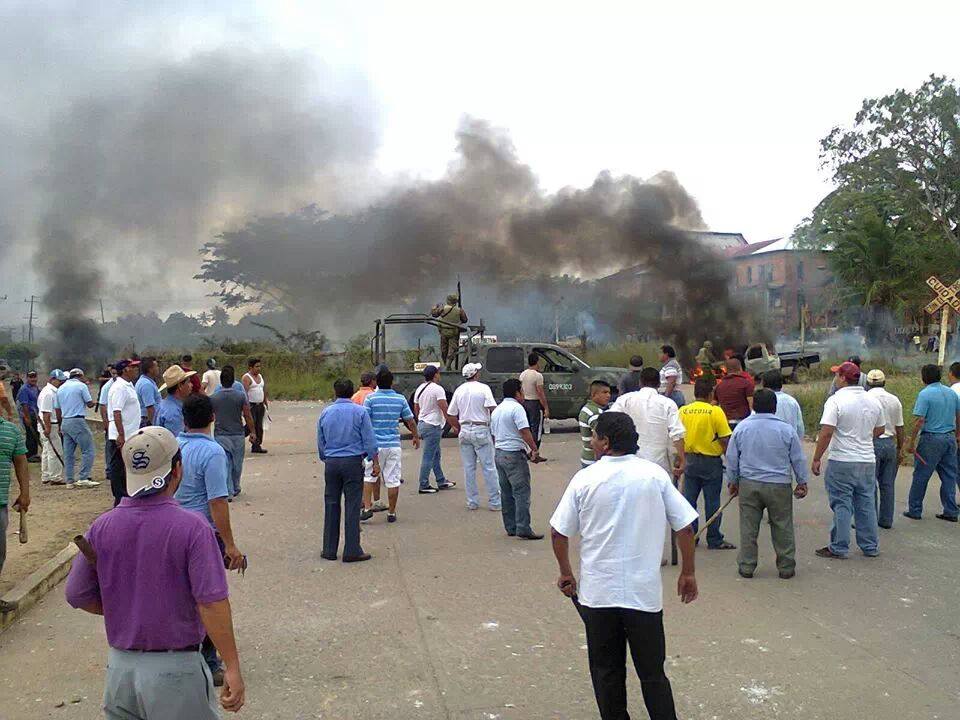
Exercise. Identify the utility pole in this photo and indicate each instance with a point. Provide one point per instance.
(103, 320)
(32, 300)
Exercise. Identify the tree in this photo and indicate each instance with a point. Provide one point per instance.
(906, 142)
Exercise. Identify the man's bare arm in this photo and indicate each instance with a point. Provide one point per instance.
(218, 621)
(542, 395)
(567, 583)
(687, 582)
(220, 512)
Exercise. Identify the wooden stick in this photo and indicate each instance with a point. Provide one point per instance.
(23, 526)
(708, 523)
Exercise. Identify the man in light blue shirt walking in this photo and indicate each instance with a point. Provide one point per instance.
(71, 403)
(763, 456)
(512, 440)
(147, 391)
(178, 385)
(788, 409)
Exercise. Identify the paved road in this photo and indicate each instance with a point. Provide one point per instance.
(453, 620)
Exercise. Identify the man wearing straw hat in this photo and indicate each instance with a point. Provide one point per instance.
(179, 385)
(760, 455)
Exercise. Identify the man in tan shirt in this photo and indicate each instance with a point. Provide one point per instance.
(534, 397)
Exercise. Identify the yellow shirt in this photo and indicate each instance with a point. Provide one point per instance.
(704, 423)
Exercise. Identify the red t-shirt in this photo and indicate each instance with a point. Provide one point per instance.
(732, 393)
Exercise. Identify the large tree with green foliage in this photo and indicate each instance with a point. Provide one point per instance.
(893, 219)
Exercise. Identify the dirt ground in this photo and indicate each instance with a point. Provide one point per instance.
(57, 513)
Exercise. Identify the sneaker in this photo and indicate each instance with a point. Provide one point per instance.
(446, 485)
(56, 482)
(87, 483)
(379, 506)
(427, 490)
(472, 507)
(391, 517)
(496, 508)
(70, 486)
(366, 515)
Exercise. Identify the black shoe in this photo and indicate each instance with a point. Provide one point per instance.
(826, 552)
(745, 574)
(885, 527)
(258, 451)
(511, 534)
(428, 490)
(366, 515)
(787, 574)
(391, 517)
(328, 557)
(907, 514)
(948, 518)
(217, 678)
(447, 485)
(531, 536)
(357, 558)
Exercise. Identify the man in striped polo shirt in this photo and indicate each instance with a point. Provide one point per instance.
(13, 452)
(387, 409)
(589, 414)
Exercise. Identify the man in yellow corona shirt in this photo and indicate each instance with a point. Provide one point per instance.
(705, 443)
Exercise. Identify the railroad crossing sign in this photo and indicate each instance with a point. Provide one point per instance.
(945, 295)
(946, 298)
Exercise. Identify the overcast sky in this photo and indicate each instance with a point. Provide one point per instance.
(732, 97)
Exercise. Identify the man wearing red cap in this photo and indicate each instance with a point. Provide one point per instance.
(851, 420)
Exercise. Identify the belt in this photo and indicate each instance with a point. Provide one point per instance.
(471, 422)
(704, 455)
(74, 417)
(188, 648)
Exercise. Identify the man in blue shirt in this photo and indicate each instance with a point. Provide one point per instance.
(387, 409)
(147, 392)
(788, 409)
(204, 487)
(344, 438)
(512, 440)
(761, 454)
(29, 415)
(178, 385)
(936, 419)
(71, 403)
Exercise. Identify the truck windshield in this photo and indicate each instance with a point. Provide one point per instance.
(559, 361)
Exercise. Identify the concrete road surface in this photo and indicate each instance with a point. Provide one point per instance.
(453, 620)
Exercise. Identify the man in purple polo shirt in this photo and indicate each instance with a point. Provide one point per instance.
(155, 573)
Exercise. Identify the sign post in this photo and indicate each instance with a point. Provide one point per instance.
(946, 298)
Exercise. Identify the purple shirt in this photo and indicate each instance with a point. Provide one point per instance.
(155, 562)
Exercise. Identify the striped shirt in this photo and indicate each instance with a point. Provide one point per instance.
(11, 443)
(387, 408)
(589, 414)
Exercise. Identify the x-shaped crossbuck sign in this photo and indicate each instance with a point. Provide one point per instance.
(945, 295)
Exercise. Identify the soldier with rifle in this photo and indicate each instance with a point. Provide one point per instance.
(451, 313)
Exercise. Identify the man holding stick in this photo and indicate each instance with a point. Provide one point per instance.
(51, 454)
(762, 452)
(620, 506)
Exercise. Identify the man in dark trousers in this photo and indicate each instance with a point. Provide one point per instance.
(27, 397)
(344, 438)
(620, 507)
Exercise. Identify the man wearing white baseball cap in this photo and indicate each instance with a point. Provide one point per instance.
(51, 467)
(469, 415)
(155, 573)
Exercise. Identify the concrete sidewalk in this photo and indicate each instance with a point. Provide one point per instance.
(454, 620)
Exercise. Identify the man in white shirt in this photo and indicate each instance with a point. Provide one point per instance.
(512, 440)
(671, 376)
(657, 422)
(123, 409)
(210, 382)
(430, 407)
(851, 420)
(888, 448)
(620, 506)
(51, 458)
(469, 415)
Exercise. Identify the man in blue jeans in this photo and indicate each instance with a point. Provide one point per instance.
(430, 407)
(851, 420)
(71, 402)
(936, 419)
(512, 439)
(344, 438)
(888, 448)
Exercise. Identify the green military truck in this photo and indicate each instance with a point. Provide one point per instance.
(566, 377)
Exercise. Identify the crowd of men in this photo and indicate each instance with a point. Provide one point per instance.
(647, 456)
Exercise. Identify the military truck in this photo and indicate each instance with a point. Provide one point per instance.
(566, 377)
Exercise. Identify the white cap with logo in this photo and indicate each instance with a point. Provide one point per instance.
(471, 369)
(147, 457)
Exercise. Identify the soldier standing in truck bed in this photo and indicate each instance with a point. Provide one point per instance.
(452, 313)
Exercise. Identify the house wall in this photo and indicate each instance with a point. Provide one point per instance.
(782, 281)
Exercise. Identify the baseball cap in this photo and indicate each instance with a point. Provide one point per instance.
(636, 363)
(75, 372)
(848, 371)
(876, 377)
(124, 364)
(430, 372)
(174, 375)
(147, 457)
(58, 374)
(32, 373)
(471, 369)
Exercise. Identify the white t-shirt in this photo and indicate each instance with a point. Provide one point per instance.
(657, 421)
(123, 397)
(210, 381)
(854, 413)
(892, 410)
(671, 369)
(530, 380)
(472, 402)
(255, 391)
(956, 388)
(45, 402)
(620, 507)
(428, 396)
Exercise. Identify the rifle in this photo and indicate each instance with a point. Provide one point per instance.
(459, 294)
